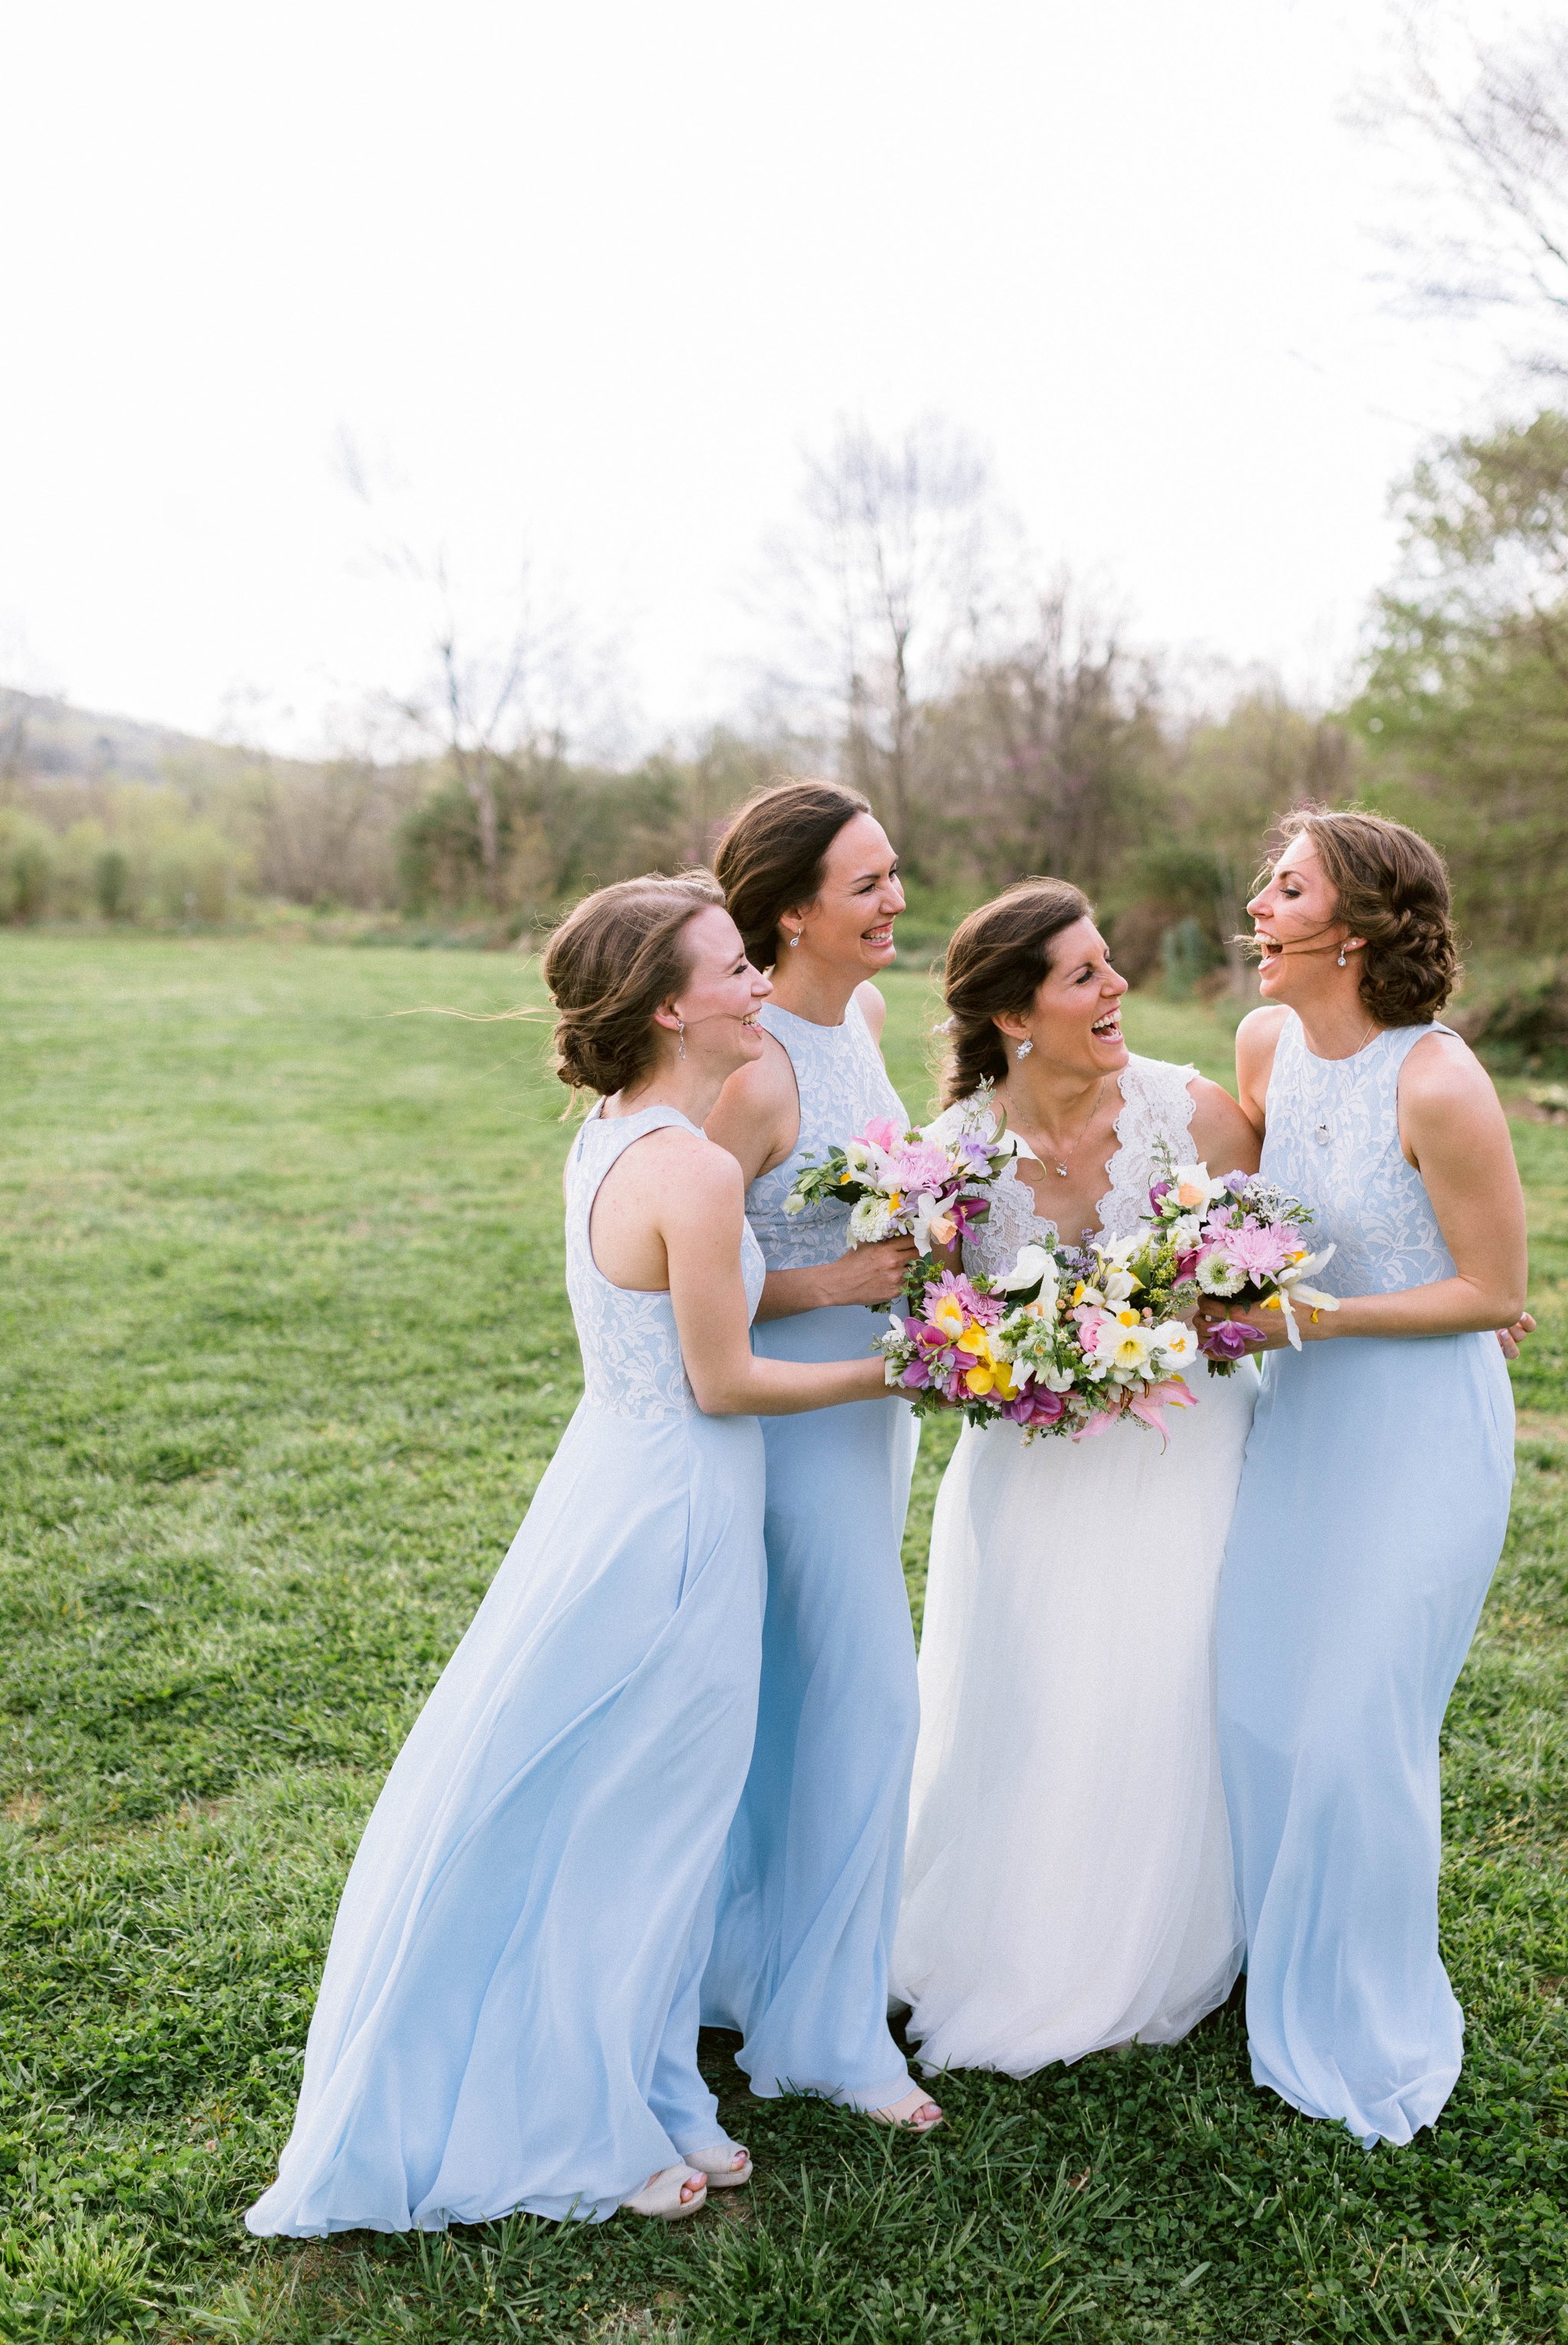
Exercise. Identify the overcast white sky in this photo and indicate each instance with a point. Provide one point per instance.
(581, 279)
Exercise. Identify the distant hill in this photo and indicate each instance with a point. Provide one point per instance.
(48, 740)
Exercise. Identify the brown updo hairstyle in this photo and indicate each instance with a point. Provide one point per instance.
(1391, 886)
(772, 855)
(996, 963)
(614, 958)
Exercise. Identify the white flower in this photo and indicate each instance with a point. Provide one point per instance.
(1175, 1340)
(870, 1221)
(1124, 1344)
(1218, 1275)
(1291, 1290)
(794, 1203)
(1119, 1284)
(1036, 1266)
(1187, 1232)
(1120, 1251)
(1193, 1188)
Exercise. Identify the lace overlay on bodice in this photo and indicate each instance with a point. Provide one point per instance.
(840, 1075)
(632, 1365)
(1333, 1141)
(1156, 1105)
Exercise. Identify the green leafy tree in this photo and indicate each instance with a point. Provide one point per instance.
(1466, 695)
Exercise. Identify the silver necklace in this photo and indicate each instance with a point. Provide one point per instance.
(1323, 1130)
(1094, 1111)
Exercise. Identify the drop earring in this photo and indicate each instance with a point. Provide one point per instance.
(1342, 956)
(794, 939)
(1023, 1048)
(680, 1036)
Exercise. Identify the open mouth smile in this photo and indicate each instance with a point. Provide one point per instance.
(1108, 1029)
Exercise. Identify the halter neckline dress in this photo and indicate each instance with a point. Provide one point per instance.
(1372, 1509)
(815, 1861)
(508, 2018)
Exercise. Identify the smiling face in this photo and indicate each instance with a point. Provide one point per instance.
(720, 996)
(1075, 1019)
(850, 922)
(1296, 920)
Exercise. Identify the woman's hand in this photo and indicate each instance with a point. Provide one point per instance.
(1268, 1323)
(871, 1275)
(1511, 1337)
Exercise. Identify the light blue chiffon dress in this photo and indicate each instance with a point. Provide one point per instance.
(815, 1863)
(509, 2015)
(1373, 1509)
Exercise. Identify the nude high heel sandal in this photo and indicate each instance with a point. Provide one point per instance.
(718, 2165)
(661, 2198)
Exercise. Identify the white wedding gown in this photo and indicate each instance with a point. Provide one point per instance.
(1067, 1881)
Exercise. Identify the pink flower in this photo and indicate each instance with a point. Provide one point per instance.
(882, 1133)
(921, 1168)
(986, 1308)
(1260, 1251)
(916, 1376)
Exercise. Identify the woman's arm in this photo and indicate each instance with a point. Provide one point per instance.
(1256, 1038)
(1454, 1132)
(701, 1213)
(757, 1117)
(1222, 1136)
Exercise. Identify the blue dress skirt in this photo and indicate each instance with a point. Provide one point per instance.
(508, 2018)
(815, 1863)
(1373, 1504)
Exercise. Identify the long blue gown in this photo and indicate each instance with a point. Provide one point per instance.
(509, 2014)
(815, 1863)
(1373, 1504)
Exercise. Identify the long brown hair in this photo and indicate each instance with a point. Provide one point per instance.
(772, 855)
(614, 958)
(996, 963)
(1391, 886)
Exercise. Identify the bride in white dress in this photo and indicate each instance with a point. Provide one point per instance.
(1067, 1882)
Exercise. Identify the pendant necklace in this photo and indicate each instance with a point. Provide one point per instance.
(1323, 1131)
(1094, 1111)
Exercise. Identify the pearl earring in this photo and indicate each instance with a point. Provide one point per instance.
(680, 1036)
(1342, 956)
(1025, 1048)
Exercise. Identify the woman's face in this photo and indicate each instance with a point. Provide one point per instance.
(850, 922)
(1075, 1018)
(720, 996)
(1295, 918)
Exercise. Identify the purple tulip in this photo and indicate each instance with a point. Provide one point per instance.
(1237, 1182)
(1228, 1339)
(1158, 1191)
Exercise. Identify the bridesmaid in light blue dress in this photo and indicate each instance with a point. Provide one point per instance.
(509, 2015)
(1375, 1493)
(811, 1893)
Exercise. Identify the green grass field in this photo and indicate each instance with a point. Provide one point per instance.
(284, 1348)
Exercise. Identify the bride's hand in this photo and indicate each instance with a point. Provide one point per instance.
(871, 1275)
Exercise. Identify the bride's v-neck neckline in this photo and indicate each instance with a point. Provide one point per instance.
(1045, 1221)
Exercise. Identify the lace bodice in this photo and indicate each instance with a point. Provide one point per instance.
(840, 1075)
(1333, 1141)
(631, 1351)
(1155, 1104)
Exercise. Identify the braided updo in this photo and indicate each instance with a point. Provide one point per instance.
(996, 963)
(614, 958)
(1392, 887)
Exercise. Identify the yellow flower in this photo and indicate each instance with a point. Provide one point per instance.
(948, 1314)
(979, 1380)
(975, 1339)
(1127, 1318)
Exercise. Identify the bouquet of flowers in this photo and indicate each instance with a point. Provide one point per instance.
(1056, 1345)
(1238, 1238)
(926, 1184)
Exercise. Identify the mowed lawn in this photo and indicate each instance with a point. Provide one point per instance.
(284, 1349)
